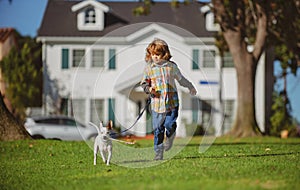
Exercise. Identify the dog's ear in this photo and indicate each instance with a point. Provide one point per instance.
(101, 127)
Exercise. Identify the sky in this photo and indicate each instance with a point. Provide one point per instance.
(26, 16)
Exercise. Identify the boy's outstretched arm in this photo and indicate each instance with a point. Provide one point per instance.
(186, 83)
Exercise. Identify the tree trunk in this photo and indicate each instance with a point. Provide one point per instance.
(245, 124)
(10, 129)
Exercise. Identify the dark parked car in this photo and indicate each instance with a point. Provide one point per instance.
(58, 127)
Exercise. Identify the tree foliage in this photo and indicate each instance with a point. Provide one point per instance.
(22, 72)
(281, 118)
(284, 32)
(285, 37)
(283, 25)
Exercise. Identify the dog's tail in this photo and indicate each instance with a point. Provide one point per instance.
(92, 124)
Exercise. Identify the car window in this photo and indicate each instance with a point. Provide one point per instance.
(68, 122)
(48, 121)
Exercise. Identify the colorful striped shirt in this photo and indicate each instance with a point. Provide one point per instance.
(162, 77)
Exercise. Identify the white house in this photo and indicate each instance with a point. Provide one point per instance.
(93, 56)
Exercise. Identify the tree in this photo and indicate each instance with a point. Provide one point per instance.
(259, 24)
(233, 19)
(21, 70)
(255, 23)
(10, 129)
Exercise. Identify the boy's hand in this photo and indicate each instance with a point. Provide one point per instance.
(154, 93)
(193, 91)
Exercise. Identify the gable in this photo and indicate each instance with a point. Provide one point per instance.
(152, 28)
(92, 3)
(90, 15)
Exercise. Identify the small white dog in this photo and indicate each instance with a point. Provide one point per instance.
(103, 143)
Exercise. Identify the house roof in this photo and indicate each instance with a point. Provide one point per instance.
(60, 21)
(5, 33)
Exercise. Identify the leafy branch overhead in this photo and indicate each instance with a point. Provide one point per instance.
(282, 27)
(145, 7)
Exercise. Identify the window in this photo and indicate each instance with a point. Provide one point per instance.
(78, 58)
(209, 58)
(97, 110)
(78, 109)
(112, 59)
(65, 59)
(195, 63)
(98, 58)
(90, 16)
(210, 22)
(228, 61)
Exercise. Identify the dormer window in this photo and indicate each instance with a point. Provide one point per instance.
(210, 22)
(90, 16)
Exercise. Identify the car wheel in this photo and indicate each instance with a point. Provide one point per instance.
(56, 139)
(38, 137)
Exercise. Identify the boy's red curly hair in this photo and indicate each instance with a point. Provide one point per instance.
(158, 47)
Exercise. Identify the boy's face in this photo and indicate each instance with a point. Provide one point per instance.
(156, 58)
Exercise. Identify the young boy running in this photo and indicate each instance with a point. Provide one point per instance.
(159, 81)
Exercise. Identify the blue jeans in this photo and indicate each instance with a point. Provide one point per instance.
(162, 122)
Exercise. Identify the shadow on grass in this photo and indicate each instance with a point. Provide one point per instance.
(134, 161)
(209, 157)
(239, 143)
(238, 155)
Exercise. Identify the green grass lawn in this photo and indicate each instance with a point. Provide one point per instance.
(254, 163)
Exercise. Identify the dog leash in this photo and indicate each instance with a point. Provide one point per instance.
(139, 116)
(137, 119)
(126, 142)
